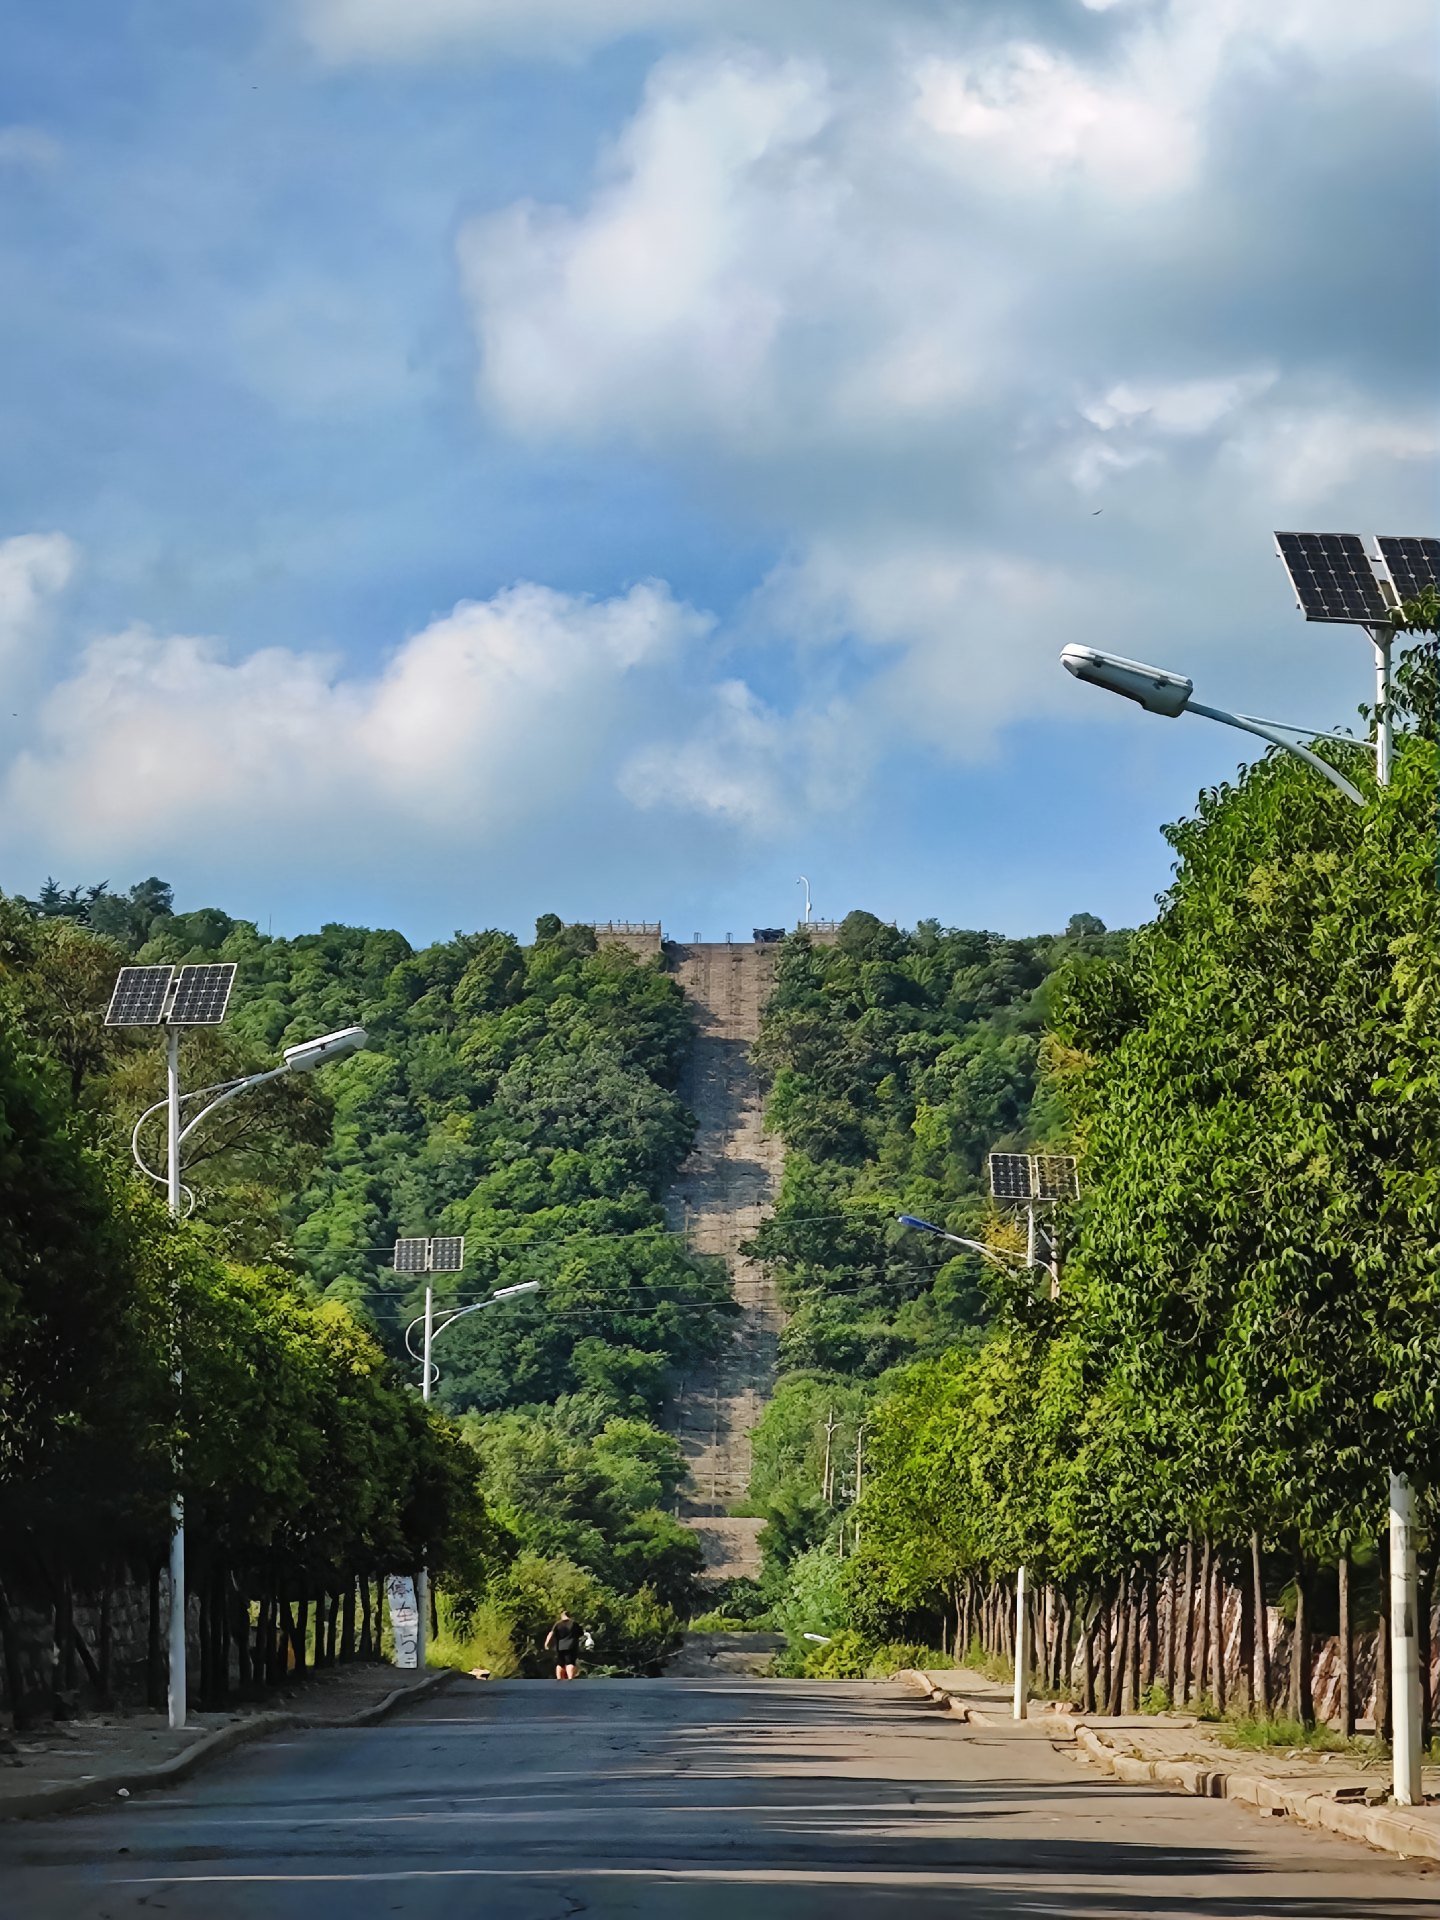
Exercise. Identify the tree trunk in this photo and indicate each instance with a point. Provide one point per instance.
(1245, 1652)
(1426, 1585)
(1172, 1612)
(264, 1660)
(240, 1626)
(1382, 1644)
(105, 1648)
(1201, 1649)
(1088, 1628)
(154, 1670)
(205, 1684)
(1137, 1615)
(294, 1632)
(1346, 1649)
(10, 1652)
(64, 1633)
(1260, 1683)
(1150, 1646)
(1184, 1629)
(1217, 1634)
(1105, 1627)
(347, 1622)
(1064, 1652)
(367, 1645)
(1119, 1642)
(1302, 1706)
(220, 1627)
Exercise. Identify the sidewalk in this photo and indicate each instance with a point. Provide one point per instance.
(1330, 1790)
(99, 1757)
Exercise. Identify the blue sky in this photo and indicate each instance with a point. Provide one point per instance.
(467, 458)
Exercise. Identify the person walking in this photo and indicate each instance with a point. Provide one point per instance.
(564, 1639)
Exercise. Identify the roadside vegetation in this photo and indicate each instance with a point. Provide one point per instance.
(521, 1096)
(1188, 1448)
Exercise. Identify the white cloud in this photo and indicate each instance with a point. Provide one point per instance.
(749, 765)
(959, 643)
(1024, 115)
(1181, 406)
(489, 716)
(662, 304)
(34, 569)
(1300, 457)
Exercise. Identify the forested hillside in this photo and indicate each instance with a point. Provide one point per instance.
(524, 1097)
(898, 1062)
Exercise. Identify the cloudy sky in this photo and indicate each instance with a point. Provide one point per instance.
(465, 458)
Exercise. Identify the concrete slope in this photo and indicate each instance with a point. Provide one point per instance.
(722, 1193)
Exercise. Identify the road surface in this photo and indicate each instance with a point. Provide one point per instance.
(750, 1800)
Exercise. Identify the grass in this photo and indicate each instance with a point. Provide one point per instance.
(1255, 1734)
(486, 1642)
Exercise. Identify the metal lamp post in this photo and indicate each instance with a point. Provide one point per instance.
(443, 1255)
(1335, 581)
(1003, 1257)
(174, 999)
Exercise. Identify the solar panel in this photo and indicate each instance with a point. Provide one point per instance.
(139, 997)
(1010, 1176)
(1412, 564)
(1333, 578)
(202, 995)
(1055, 1177)
(447, 1254)
(411, 1256)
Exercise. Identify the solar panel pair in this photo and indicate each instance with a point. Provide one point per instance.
(443, 1255)
(1033, 1176)
(201, 995)
(1336, 580)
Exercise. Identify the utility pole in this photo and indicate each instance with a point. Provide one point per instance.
(177, 1686)
(827, 1485)
(1021, 1708)
(859, 1475)
(422, 1582)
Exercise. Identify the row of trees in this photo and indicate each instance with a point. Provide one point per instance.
(307, 1468)
(1247, 1336)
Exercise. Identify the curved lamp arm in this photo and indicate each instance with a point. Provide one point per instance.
(1268, 730)
(448, 1318)
(998, 1254)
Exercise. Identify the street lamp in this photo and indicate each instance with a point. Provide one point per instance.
(803, 882)
(1158, 690)
(1036, 1179)
(444, 1254)
(998, 1254)
(195, 996)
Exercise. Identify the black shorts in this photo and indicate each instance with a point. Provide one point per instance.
(566, 1656)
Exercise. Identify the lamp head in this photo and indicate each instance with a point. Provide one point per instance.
(310, 1054)
(1154, 688)
(914, 1220)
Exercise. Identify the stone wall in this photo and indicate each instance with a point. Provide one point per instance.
(43, 1662)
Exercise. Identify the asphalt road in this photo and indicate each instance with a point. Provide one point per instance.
(687, 1799)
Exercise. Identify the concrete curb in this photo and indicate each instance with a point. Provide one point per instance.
(239, 1733)
(1392, 1829)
